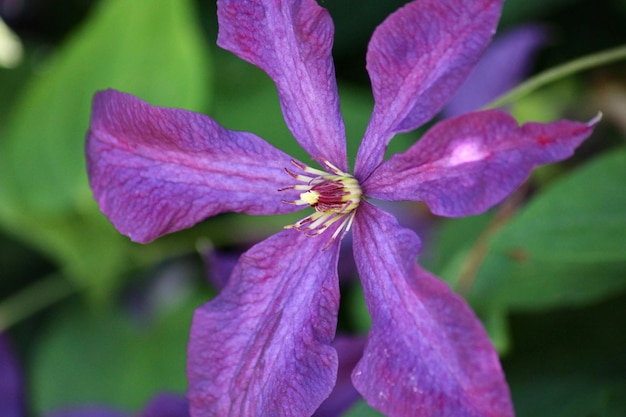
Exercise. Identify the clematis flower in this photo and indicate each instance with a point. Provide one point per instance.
(263, 346)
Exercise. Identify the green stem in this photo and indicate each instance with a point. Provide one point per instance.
(556, 73)
(34, 298)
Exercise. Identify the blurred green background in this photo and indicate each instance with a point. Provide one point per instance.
(96, 318)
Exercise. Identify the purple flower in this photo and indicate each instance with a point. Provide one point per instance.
(263, 346)
(161, 405)
(504, 64)
(349, 351)
(11, 391)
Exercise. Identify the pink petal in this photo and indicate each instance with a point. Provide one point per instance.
(427, 353)
(417, 59)
(292, 42)
(262, 347)
(155, 170)
(467, 164)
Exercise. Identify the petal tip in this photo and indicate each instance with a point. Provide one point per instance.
(595, 120)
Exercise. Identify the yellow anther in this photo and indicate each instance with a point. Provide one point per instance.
(334, 196)
(310, 197)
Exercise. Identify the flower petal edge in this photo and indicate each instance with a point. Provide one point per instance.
(292, 42)
(417, 58)
(465, 165)
(427, 354)
(156, 170)
(262, 346)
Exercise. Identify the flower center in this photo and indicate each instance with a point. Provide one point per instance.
(334, 195)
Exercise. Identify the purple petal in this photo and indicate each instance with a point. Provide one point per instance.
(344, 395)
(262, 347)
(417, 58)
(427, 353)
(155, 170)
(292, 42)
(467, 164)
(504, 64)
(11, 394)
(166, 405)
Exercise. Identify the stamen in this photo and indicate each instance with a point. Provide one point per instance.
(333, 194)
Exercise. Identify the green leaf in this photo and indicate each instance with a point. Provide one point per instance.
(101, 357)
(356, 309)
(569, 362)
(91, 252)
(548, 103)
(497, 326)
(563, 393)
(452, 241)
(356, 108)
(517, 11)
(150, 48)
(246, 99)
(361, 409)
(567, 246)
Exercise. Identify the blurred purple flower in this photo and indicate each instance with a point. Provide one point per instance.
(505, 63)
(219, 265)
(12, 399)
(166, 405)
(263, 346)
(161, 405)
(11, 394)
(89, 411)
(344, 395)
